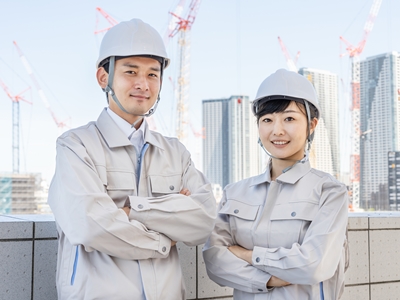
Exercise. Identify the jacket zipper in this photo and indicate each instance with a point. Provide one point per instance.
(321, 290)
(139, 168)
(75, 265)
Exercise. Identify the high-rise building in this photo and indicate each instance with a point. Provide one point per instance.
(230, 149)
(325, 154)
(380, 126)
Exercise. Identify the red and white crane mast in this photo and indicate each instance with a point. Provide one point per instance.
(15, 123)
(354, 53)
(183, 26)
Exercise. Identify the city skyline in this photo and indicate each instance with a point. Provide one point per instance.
(231, 53)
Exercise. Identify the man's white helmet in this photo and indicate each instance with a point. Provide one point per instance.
(130, 38)
(284, 84)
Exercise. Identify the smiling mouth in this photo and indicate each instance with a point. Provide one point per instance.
(140, 97)
(280, 142)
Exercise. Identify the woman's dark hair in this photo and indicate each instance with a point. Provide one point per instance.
(277, 106)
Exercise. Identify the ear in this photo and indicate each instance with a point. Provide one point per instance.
(314, 123)
(102, 77)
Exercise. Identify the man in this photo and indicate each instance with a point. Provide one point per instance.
(122, 195)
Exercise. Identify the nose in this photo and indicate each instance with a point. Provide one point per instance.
(278, 128)
(141, 83)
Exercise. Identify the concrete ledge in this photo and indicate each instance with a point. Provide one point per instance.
(28, 255)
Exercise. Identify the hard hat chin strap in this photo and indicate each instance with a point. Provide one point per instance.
(108, 90)
(303, 160)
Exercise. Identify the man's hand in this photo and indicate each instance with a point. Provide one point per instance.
(242, 253)
(276, 282)
(185, 192)
(127, 210)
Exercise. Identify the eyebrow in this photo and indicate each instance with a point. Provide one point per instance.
(129, 65)
(290, 111)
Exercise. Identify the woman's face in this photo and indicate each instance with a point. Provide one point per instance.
(284, 134)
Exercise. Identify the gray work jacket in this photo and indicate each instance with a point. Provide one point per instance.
(296, 227)
(102, 253)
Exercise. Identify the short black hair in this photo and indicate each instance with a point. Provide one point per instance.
(277, 106)
(105, 63)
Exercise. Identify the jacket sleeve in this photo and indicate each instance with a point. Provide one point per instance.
(89, 217)
(189, 219)
(317, 258)
(224, 268)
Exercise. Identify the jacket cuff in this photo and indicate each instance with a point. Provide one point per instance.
(164, 246)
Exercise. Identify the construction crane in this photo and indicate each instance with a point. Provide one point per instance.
(183, 27)
(110, 20)
(15, 123)
(60, 124)
(354, 52)
(290, 62)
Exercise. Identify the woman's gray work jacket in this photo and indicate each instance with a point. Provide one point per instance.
(296, 227)
(103, 253)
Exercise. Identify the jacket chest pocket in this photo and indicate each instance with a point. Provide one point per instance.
(241, 220)
(120, 184)
(289, 223)
(161, 185)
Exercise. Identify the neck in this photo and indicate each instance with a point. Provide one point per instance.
(278, 166)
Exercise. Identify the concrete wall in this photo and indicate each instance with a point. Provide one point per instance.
(28, 252)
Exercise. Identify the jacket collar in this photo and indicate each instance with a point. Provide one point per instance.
(115, 137)
(291, 176)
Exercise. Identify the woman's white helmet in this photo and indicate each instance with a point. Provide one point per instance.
(284, 84)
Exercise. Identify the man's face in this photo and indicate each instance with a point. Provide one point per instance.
(136, 84)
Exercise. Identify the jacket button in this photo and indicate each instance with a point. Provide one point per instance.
(140, 206)
(257, 259)
(171, 187)
(236, 211)
(164, 249)
(293, 214)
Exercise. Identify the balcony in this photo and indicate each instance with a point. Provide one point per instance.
(28, 250)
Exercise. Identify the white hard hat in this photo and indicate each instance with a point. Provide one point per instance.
(131, 38)
(284, 84)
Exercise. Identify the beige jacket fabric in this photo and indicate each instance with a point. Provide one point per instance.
(296, 227)
(102, 253)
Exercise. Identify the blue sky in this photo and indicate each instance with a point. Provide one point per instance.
(234, 47)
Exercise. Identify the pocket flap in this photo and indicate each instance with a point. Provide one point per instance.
(239, 209)
(165, 184)
(295, 211)
(117, 180)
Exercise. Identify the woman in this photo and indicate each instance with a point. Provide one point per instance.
(282, 234)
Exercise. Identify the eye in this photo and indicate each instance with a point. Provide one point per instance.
(289, 119)
(267, 120)
(130, 72)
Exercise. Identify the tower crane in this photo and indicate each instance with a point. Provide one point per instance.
(60, 124)
(354, 54)
(290, 62)
(183, 27)
(110, 20)
(15, 123)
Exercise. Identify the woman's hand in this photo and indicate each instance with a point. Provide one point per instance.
(242, 253)
(246, 255)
